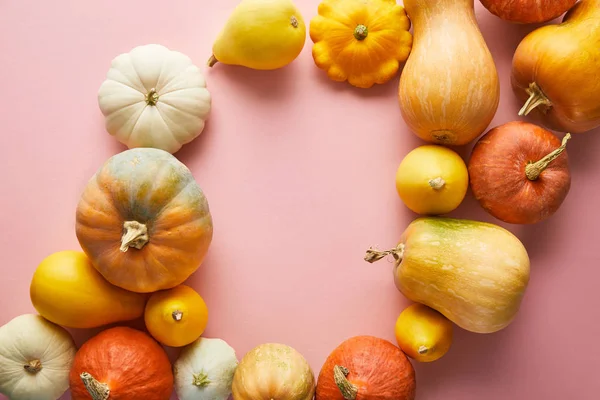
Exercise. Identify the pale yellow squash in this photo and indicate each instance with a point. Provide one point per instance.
(474, 273)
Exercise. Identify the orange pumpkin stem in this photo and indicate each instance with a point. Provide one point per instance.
(536, 99)
(376, 255)
(361, 32)
(33, 366)
(212, 61)
(533, 170)
(152, 97)
(136, 235)
(349, 390)
(98, 391)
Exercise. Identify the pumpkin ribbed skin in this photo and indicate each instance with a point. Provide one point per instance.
(528, 11)
(128, 361)
(378, 369)
(150, 187)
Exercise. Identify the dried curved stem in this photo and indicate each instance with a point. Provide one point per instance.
(536, 99)
(376, 255)
(534, 169)
(349, 391)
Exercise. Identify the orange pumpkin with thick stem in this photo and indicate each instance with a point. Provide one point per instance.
(143, 221)
(366, 368)
(121, 364)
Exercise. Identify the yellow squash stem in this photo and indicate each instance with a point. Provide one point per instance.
(98, 390)
(212, 61)
(536, 99)
(348, 390)
(136, 235)
(534, 169)
(376, 255)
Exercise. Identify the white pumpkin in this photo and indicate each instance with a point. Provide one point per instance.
(154, 97)
(36, 356)
(204, 370)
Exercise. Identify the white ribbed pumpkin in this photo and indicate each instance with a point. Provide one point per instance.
(36, 356)
(154, 97)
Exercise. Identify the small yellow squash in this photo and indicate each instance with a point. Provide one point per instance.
(67, 290)
(361, 41)
(474, 273)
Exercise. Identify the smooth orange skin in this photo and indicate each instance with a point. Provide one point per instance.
(528, 11)
(449, 88)
(380, 370)
(131, 363)
(159, 320)
(497, 173)
(563, 60)
(152, 187)
(363, 63)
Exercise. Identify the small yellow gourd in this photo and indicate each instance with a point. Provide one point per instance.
(361, 41)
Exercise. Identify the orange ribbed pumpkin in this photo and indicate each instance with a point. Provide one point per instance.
(143, 221)
(121, 364)
(366, 368)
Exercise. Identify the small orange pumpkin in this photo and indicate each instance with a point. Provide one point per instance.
(121, 364)
(143, 221)
(362, 42)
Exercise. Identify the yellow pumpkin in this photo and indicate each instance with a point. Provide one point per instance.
(176, 317)
(67, 290)
(361, 41)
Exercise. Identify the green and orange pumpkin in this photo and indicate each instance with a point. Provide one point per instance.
(144, 221)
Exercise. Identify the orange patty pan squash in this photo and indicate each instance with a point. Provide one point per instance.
(360, 41)
(143, 221)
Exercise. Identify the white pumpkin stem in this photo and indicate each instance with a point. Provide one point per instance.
(536, 99)
(200, 379)
(33, 366)
(534, 169)
(177, 315)
(376, 255)
(152, 97)
(98, 390)
(437, 183)
(136, 235)
(349, 390)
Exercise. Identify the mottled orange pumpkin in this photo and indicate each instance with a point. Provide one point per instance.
(143, 221)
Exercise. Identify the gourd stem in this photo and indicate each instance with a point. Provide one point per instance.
(294, 21)
(136, 235)
(534, 169)
(349, 391)
(437, 183)
(177, 315)
(33, 366)
(536, 99)
(152, 97)
(361, 32)
(212, 61)
(98, 391)
(376, 255)
(422, 350)
(200, 379)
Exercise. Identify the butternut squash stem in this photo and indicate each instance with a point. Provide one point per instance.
(98, 390)
(200, 379)
(361, 32)
(212, 61)
(536, 99)
(349, 391)
(152, 97)
(33, 366)
(136, 235)
(376, 255)
(534, 169)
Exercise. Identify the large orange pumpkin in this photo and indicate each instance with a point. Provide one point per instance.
(121, 364)
(143, 221)
(366, 368)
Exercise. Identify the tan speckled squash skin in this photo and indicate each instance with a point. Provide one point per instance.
(273, 371)
(475, 273)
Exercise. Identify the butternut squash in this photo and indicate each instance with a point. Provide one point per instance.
(449, 88)
(474, 273)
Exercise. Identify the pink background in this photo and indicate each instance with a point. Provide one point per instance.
(299, 173)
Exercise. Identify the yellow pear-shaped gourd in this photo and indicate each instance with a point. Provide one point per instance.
(260, 34)
(67, 290)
